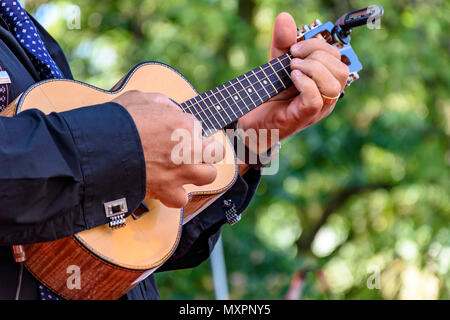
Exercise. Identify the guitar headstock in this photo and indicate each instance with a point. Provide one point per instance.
(338, 35)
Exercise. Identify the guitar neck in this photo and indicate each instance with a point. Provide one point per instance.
(221, 106)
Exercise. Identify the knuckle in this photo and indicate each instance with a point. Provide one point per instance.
(313, 41)
(309, 111)
(309, 85)
(211, 174)
(334, 88)
(134, 92)
(179, 201)
(280, 120)
(315, 104)
(295, 63)
(185, 123)
(312, 65)
(333, 50)
(182, 200)
(159, 98)
(318, 55)
(343, 71)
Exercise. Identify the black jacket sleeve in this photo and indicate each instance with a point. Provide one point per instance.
(57, 170)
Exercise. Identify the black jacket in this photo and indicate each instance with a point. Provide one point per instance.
(57, 170)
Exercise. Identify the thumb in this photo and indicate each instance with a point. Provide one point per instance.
(284, 35)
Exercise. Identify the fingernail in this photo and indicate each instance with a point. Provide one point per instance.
(295, 49)
(296, 73)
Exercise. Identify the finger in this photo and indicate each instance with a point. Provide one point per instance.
(206, 150)
(213, 151)
(337, 68)
(324, 79)
(284, 35)
(310, 101)
(198, 174)
(327, 110)
(163, 100)
(304, 48)
(177, 198)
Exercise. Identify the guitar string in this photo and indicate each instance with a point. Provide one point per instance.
(226, 109)
(283, 68)
(210, 108)
(195, 103)
(235, 103)
(214, 129)
(229, 105)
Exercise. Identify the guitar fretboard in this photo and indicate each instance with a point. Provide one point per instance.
(226, 103)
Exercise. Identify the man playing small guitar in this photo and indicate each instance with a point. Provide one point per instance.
(59, 169)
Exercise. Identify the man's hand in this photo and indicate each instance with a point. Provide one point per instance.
(156, 117)
(316, 70)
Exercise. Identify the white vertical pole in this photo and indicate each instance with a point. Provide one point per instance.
(219, 272)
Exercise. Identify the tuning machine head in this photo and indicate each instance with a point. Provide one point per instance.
(304, 29)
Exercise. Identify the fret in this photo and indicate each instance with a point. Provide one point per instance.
(284, 69)
(214, 108)
(259, 85)
(217, 105)
(226, 103)
(247, 92)
(210, 109)
(276, 73)
(275, 79)
(231, 99)
(204, 108)
(233, 96)
(234, 89)
(193, 110)
(186, 108)
(265, 76)
(288, 64)
(246, 82)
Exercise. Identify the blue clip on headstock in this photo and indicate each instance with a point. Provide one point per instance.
(338, 34)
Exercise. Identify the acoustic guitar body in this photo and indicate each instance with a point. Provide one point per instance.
(102, 263)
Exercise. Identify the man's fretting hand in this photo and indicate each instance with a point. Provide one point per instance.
(316, 70)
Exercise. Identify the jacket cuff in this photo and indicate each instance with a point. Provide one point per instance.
(111, 158)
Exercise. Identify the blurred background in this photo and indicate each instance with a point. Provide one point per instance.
(360, 208)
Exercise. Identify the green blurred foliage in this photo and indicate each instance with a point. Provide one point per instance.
(364, 191)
